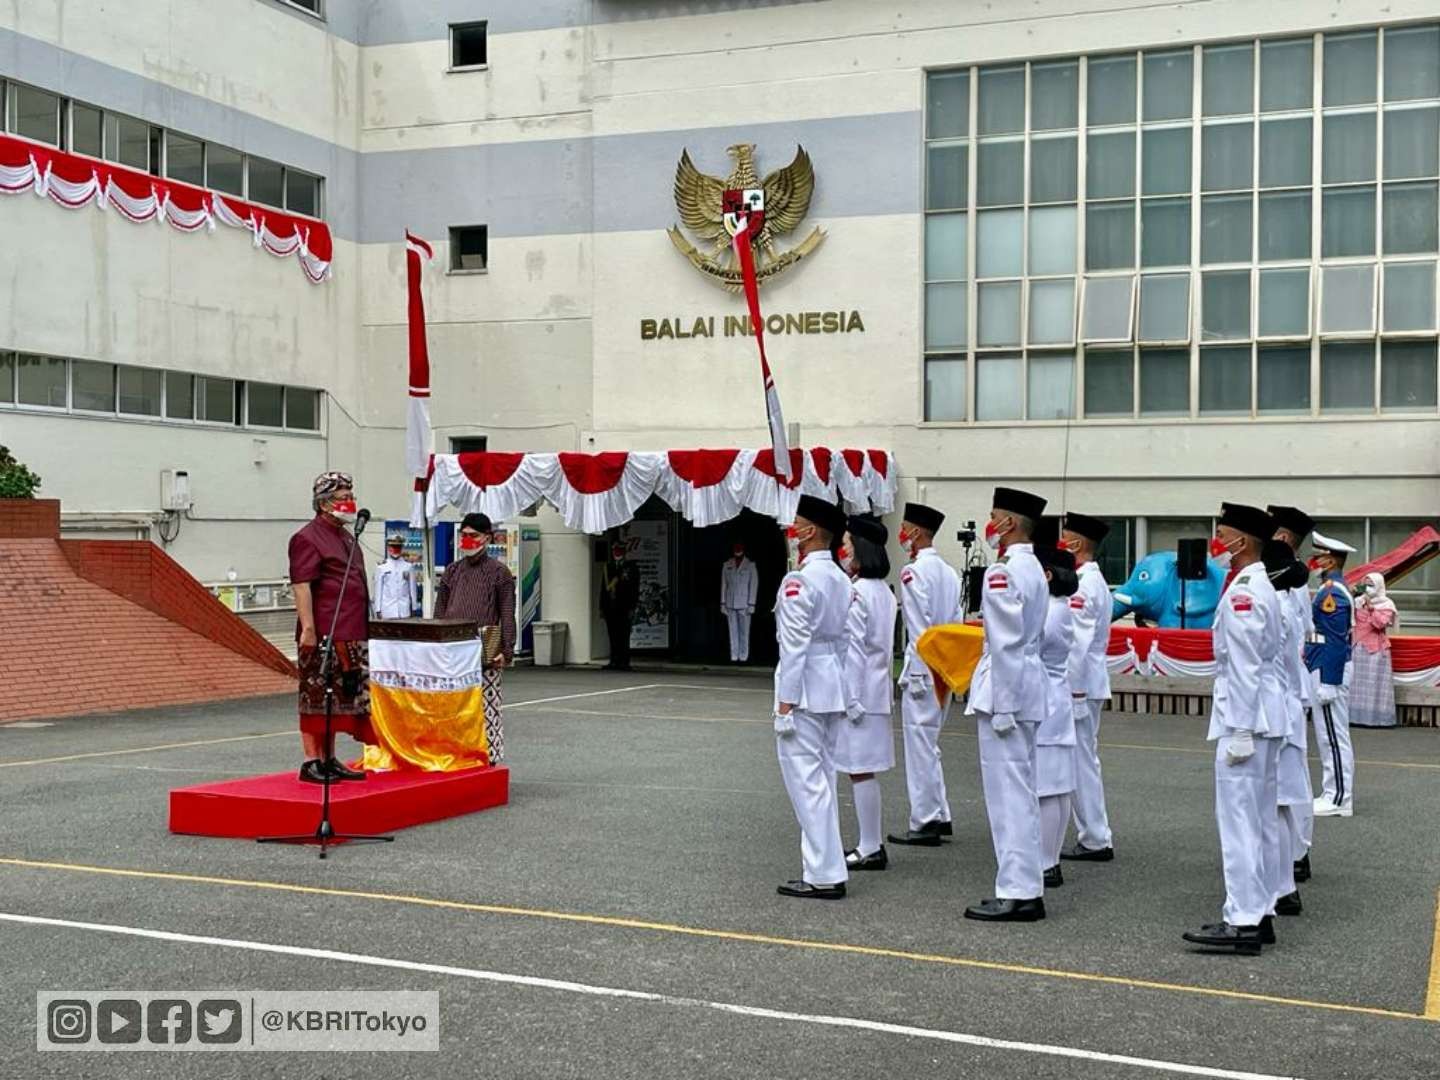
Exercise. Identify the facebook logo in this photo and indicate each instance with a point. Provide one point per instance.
(168, 1021)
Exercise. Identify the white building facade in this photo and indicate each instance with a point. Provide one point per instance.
(1139, 260)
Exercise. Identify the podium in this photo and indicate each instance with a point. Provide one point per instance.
(427, 694)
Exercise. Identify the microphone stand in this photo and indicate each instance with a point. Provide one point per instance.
(325, 835)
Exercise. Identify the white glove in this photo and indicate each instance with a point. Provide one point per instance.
(784, 723)
(918, 685)
(855, 712)
(1327, 693)
(1239, 747)
(750, 611)
(1002, 723)
(1080, 708)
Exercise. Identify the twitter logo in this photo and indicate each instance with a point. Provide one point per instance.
(219, 1021)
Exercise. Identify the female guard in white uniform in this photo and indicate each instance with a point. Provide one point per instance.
(1055, 741)
(865, 744)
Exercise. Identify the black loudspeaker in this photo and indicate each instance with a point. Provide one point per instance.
(1190, 559)
(974, 582)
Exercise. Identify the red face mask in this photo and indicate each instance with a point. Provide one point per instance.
(1314, 565)
(395, 552)
(844, 554)
(345, 507)
(470, 544)
(1219, 549)
(905, 536)
(737, 552)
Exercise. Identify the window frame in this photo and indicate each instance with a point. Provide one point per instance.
(453, 68)
(453, 267)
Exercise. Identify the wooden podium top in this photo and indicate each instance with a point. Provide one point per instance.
(424, 629)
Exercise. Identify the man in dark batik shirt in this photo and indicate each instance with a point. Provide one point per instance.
(481, 589)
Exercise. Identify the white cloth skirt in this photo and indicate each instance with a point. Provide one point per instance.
(868, 746)
(1054, 770)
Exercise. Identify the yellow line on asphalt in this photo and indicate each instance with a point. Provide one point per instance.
(722, 935)
(143, 749)
(1432, 993)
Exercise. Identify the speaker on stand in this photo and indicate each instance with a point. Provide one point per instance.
(1190, 565)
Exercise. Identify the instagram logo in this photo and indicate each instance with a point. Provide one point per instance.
(69, 1021)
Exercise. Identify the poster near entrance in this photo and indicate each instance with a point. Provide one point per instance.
(647, 545)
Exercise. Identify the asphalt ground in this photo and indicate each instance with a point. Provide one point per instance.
(635, 870)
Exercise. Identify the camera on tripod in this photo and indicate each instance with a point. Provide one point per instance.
(967, 534)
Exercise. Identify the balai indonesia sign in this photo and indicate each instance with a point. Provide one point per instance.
(799, 322)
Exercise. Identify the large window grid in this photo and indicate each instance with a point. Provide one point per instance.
(93, 388)
(1225, 266)
(82, 128)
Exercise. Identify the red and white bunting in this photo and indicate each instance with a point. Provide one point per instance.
(74, 181)
(596, 492)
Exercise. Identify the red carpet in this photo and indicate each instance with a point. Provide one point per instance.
(279, 804)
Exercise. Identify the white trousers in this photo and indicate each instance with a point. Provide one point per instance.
(1092, 824)
(1282, 881)
(809, 776)
(1332, 743)
(1054, 818)
(1007, 773)
(921, 719)
(1248, 818)
(1297, 798)
(739, 620)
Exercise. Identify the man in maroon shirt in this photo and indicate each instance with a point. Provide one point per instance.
(317, 568)
(481, 589)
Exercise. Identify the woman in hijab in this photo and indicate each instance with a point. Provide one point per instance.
(1372, 686)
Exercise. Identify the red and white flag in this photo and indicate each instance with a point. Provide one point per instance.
(746, 257)
(418, 439)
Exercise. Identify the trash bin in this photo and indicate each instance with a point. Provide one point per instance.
(550, 643)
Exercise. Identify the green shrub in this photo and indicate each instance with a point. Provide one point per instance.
(16, 481)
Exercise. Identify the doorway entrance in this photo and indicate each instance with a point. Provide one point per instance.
(701, 634)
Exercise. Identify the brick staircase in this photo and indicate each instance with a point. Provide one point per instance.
(96, 626)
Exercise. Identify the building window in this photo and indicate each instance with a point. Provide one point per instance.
(266, 181)
(140, 390)
(1347, 377)
(216, 400)
(1245, 197)
(469, 248)
(302, 193)
(224, 169)
(265, 405)
(945, 387)
(314, 7)
(132, 143)
(1115, 555)
(184, 159)
(41, 381)
(33, 114)
(87, 130)
(179, 396)
(7, 378)
(302, 409)
(1407, 376)
(467, 46)
(92, 386)
(469, 444)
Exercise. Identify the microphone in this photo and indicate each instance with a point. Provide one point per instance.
(361, 520)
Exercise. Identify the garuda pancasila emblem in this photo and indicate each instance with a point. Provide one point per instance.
(708, 206)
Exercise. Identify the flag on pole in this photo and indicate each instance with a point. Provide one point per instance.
(418, 444)
(778, 442)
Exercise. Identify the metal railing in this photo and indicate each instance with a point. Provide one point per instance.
(247, 596)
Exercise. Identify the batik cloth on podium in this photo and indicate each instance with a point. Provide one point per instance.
(428, 701)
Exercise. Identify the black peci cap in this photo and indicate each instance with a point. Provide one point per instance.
(1250, 520)
(1091, 528)
(826, 515)
(1055, 558)
(478, 522)
(1018, 502)
(1288, 517)
(1047, 532)
(924, 516)
(868, 527)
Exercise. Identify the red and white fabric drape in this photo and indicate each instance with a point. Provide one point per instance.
(1152, 651)
(75, 181)
(595, 492)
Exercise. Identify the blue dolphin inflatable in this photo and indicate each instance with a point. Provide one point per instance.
(1152, 593)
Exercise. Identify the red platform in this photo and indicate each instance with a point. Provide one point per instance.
(279, 804)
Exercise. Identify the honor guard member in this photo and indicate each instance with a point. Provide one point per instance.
(1297, 813)
(929, 596)
(392, 593)
(1089, 687)
(1055, 740)
(810, 694)
(1327, 656)
(1287, 574)
(866, 745)
(1008, 700)
(1247, 724)
(739, 581)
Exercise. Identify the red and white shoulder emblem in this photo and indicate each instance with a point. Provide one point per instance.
(907, 576)
(998, 582)
(1077, 602)
(1241, 603)
(792, 588)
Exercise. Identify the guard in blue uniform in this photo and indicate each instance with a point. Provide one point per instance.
(1327, 656)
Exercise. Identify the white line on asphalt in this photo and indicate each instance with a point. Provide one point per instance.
(589, 693)
(564, 986)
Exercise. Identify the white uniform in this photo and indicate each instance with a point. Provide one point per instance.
(1248, 697)
(1010, 683)
(737, 601)
(1297, 816)
(1090, 687)
(392, 589)
(1055, 741)
(810, 612)
(929, 596)
(869, 744)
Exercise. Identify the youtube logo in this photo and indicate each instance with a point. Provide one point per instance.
(118, 1021)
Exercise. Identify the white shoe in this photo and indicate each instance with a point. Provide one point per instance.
(1325, 808)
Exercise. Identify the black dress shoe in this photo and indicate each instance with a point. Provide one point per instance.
(1302, 869)
(1241, 940)
(314, 772)
(876, 860)
(916, 838)
(806, 891)
(340, 771)
(1085, 854)
(1267, 930)
(944, 828)
(1289, 905)
(1053, 877)
(1007, 910)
